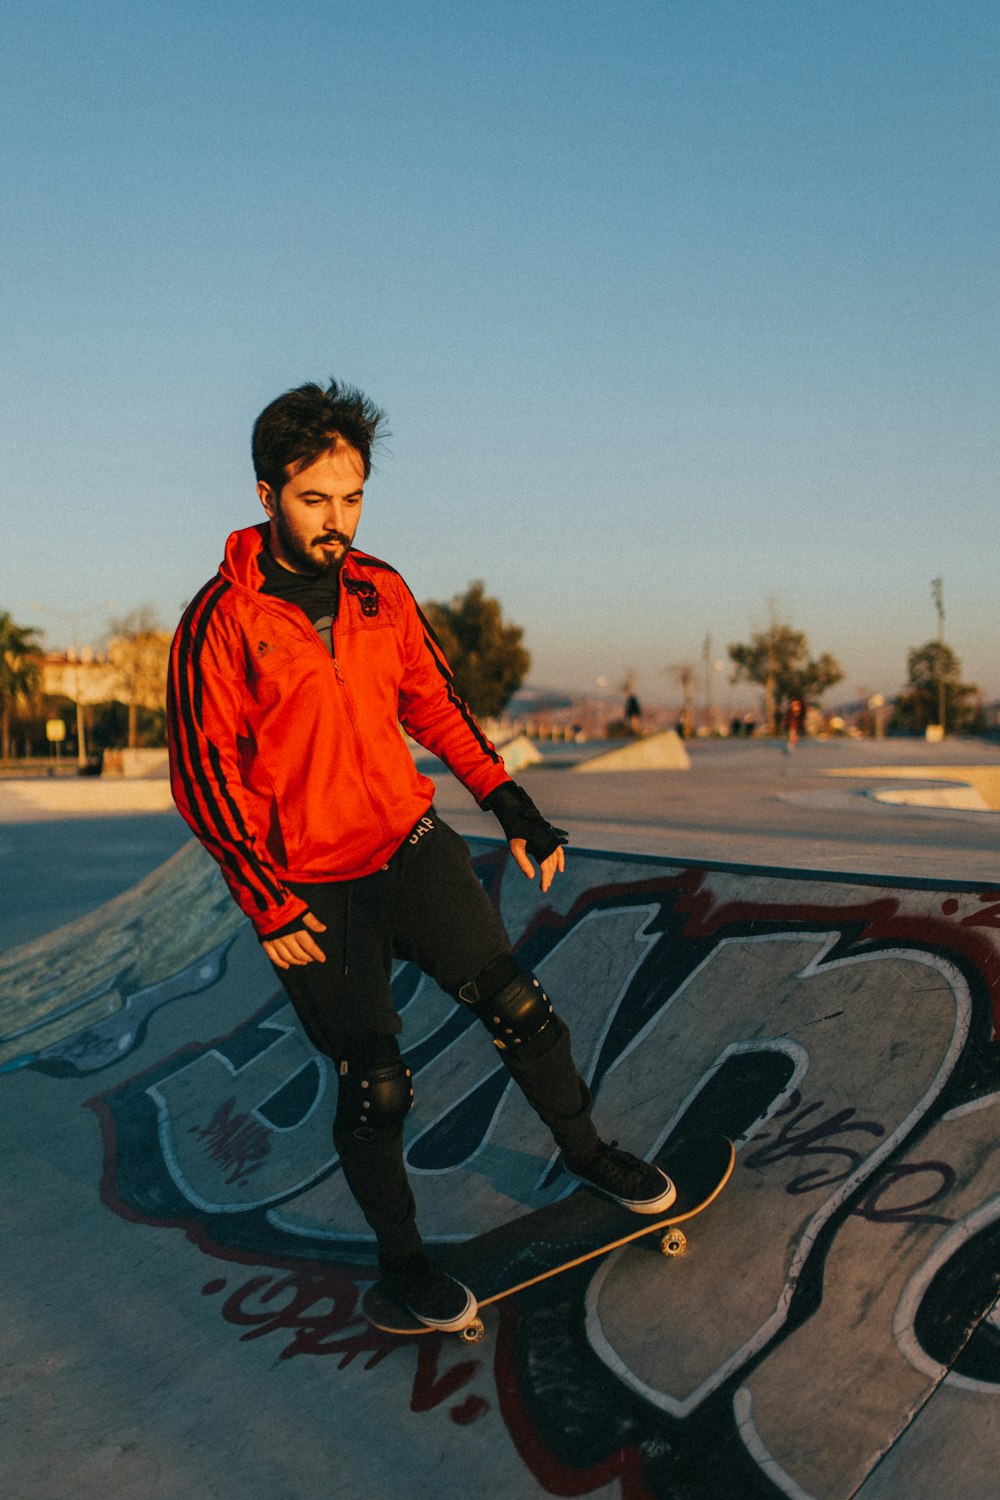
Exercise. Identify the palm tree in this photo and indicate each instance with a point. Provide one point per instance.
(20, 672)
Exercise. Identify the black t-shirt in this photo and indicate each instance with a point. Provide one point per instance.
(316, 597)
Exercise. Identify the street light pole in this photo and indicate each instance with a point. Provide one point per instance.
(937, 593)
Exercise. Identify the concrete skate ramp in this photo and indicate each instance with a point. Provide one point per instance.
(519, 753)
(961, 798)
(653, 752)
(974, 788)
(182, 1265)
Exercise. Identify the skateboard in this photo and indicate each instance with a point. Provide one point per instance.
(566, 1234)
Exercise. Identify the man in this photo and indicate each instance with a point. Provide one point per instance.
(291, 673)
(795, 718)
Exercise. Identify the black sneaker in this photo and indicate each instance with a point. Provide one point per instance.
(432, 1297)
(640, 1187)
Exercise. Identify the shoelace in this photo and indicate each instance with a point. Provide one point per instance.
(625, 1173)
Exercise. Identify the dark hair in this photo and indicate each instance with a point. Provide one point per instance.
(294, 430)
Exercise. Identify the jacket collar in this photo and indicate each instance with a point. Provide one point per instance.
(241, 561)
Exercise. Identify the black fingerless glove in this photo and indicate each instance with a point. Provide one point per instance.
(520, 819)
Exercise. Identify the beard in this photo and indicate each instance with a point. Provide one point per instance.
(301, 557)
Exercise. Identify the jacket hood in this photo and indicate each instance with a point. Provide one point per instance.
(240, 563)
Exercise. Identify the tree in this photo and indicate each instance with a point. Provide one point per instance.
(778, 658)
(138, 652)
(483, 651)
(934, 677)
(20, 672)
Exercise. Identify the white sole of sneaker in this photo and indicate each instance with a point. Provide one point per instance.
(649, 1206)
(452, 1325)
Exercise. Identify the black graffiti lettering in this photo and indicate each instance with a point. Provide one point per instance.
(795, 1139)
(872, 1209)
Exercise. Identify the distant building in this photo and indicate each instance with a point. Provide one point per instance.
(84, 676)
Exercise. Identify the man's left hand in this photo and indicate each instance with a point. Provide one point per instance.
(525, 828)
(550, 867)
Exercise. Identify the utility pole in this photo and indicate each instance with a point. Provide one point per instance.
(937, 593)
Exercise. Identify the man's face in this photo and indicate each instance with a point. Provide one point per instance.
(314, 519)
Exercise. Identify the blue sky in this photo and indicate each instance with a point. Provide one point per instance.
(682, 312)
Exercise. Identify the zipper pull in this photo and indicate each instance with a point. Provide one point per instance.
(336, 668)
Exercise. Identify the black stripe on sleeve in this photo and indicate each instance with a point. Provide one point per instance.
(208, 794)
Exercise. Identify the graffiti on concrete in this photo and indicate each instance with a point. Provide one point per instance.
(316, 1313)
(842, 1036)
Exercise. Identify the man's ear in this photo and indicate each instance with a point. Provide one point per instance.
(267, 499)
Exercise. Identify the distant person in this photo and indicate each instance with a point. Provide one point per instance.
(291, 673)
(633, 714)
(795, 718)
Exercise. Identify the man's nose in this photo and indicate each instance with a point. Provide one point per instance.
(336, 517)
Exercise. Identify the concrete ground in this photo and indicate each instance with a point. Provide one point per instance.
(751, 803)
(184, 1266)
(67, 846)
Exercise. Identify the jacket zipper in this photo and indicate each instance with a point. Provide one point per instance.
(358, 742)
(342, 680)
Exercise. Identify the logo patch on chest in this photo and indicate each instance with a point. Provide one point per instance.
(365, 591)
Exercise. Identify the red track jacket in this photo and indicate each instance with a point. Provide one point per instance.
(287, 763)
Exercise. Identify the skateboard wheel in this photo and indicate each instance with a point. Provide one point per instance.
(674, 1242)
(473, 1332)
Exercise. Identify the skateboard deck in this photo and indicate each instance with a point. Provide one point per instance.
(566, 1234)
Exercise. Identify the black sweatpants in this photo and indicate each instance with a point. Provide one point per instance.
(426, 905)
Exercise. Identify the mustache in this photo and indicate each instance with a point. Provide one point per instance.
(332, 536)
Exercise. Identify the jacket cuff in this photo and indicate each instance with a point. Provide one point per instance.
(279, 923)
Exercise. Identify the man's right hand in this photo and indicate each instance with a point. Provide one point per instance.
(299, 947)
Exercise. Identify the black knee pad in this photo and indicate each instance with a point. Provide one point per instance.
(511, 1005)
(376, 1099)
